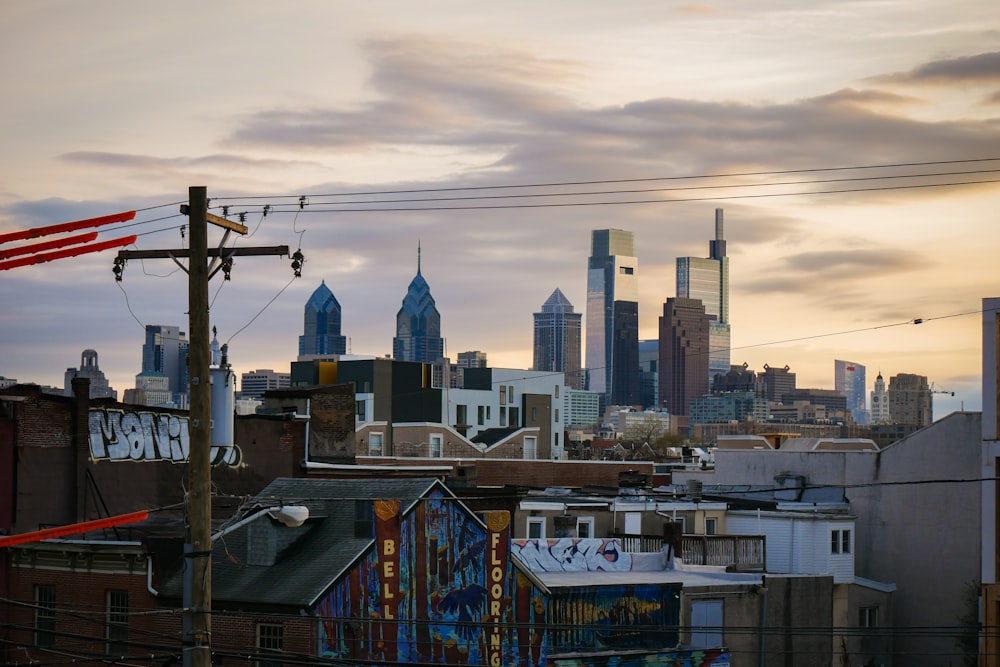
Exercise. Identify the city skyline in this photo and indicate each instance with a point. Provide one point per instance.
(125, 108)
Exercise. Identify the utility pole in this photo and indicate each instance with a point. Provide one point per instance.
(198, 501)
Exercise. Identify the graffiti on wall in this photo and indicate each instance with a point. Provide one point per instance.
(438, 586)
(715, 657)
(572, 554)
(128, 435)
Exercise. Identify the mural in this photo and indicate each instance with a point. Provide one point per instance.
(126, 435)
(679, 658)
(571, 554)
(440, 586)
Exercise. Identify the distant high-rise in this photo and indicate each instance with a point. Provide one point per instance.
(165, 351)
(557, 339)
(472, 359)
(99, 387)
(880, 402)
(909, 398)
(253, 384)
(418, 324)
(707, 279)
(849, 379)
(684, 340)
(777, 382)
(649, 373)
(321, 330)
(613, 317)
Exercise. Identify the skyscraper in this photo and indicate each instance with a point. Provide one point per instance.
(880, 402)
(909, 398)
(707, 279)
(99, 387)
(321, 330)
(165, 351)
(849, 379)
(557, 339)
(613, 317)
(418, 324)
(684, 340)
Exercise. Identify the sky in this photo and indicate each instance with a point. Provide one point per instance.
(643, 116)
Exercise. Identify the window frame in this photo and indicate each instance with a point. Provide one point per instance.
(711, 525)
(116, 621)
(435, 445)
(45, 615)
(587, 521)
(840, 541)
(372, 437)
(868, 616)
(277, 638)
(539, 522)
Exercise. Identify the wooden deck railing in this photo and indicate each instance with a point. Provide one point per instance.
(742, 552)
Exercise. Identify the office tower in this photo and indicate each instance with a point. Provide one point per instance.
(557, 339)
(649, 374)
(613, 317)
(707, 279)
(849, 379)
(909, 398)
(418, 324)
(321, 330)
(880, 402)
(165, 351)
(739, 379)
(471, 359)
(99, 387)
(253, 384)
(777, 381)
(684, 340)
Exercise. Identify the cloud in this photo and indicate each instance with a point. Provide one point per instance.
(147, 162)
(982, 68)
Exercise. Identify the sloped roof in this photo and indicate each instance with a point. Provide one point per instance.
(311, 557)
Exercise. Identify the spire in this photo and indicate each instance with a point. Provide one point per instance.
(418, 257)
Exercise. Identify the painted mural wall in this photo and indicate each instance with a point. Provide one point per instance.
(572, 554)
(439, 586)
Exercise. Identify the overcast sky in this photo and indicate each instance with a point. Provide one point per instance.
(113, 105)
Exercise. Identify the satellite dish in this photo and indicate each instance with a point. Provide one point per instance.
(290, 515)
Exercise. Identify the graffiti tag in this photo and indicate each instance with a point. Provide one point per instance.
(120, 435)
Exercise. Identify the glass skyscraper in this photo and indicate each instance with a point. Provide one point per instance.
(165, 351)
(321, 329)
(707, 279)
(849, 379)
(613, 317)
(418, 324)
(684, 336)
(557, 339)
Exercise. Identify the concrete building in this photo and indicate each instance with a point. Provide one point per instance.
(254, 383)
(581, 408)
(777, 381)
(89, 368)
(880, 403)
(907, 498)
(684, 352)
(910, 400)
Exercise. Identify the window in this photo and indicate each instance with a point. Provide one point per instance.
(556, 420)
(503, 417)
(627, 270)
(503, 395)
(530, 447)
(436, 442)
(374, 444)
(116, 604)
(711, 526)
(462, 414)
(555, 391)
(482, 415)
(359, 408)
(534, 414)
(868, 617)
(363, 522)
(706, 623)
(270, 638)
(840, 541)
(585, 527)
(514, 417)
(536, 528)
(45, 616)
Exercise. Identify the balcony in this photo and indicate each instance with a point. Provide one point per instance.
(737, 552)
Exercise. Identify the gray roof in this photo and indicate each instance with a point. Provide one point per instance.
(305, 560)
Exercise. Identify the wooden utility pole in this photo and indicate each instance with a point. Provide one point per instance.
(198, 501)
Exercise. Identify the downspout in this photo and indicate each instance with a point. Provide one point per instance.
(149, 576)
(763, 618)
(308, 421)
